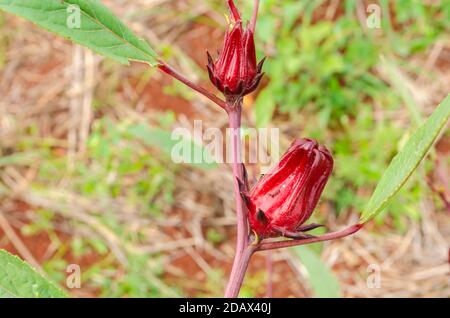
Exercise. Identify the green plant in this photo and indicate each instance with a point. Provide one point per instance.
(328, 65)
(18, 279)
(323, 282)
(108, 36)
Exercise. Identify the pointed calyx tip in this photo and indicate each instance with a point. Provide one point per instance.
(234, 11)
(236, 72)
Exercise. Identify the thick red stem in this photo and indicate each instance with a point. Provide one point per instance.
(236, 279)
(236, 276)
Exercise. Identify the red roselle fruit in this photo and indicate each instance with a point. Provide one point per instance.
(235, 72)
(284, 199)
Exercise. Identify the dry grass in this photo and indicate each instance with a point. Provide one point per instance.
(49, 83)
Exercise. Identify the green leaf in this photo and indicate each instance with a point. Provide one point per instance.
(399, 84)
(19, 280)
(407, 160)
(165, 141)
(86, 22)
(23, 158)
(264, 108)
(323, 282)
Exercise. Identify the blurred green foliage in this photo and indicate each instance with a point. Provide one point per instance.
(116, 165)
(321, 76)
(120, 170)
(329, 64)
(323, 282)
(3, 41)
(322, 72)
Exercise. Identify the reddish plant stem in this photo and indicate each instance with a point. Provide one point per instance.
(326, 237)
(172, 72)
(234, 11)
(244, 251)
(255, 16)
(235, 280)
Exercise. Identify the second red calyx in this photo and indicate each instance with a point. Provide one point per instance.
(284, 199)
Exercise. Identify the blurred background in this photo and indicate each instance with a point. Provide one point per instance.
(86, 175)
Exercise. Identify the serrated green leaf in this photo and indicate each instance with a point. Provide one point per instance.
(407, 160)
(20, 280)
(323, 282)
(98, 29)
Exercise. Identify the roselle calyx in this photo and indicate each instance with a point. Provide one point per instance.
(235, 72)
(284, 199)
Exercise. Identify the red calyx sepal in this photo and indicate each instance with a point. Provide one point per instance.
(284, 199)
(236, 72)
